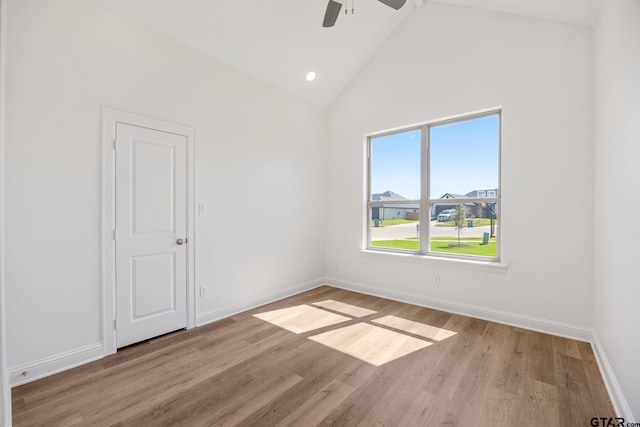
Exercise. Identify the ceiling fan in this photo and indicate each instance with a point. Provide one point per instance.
(334, 7)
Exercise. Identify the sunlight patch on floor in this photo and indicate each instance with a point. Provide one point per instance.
(415, 328)
(301, 318)
(344, 308)
(369, 343)
(375, 341)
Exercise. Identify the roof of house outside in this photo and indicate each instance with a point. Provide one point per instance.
(391, 196)
(472, 194)
(452, 196)
(387, 195)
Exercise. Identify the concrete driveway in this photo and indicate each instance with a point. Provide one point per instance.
(404, 231)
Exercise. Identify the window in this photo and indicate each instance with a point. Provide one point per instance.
(434, 189)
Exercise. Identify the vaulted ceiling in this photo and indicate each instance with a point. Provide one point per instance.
(279, 41)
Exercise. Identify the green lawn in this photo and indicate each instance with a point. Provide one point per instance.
(477, 222)
(455, 239)
(444, 245)
(475, 248)
(388, 222)
(408, 244)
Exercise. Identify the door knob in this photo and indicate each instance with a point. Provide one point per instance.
(181, 242)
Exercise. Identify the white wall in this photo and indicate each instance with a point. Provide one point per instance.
(617, 153)
(5, 391)
(68, 58)
(259, 165)
(446, 60)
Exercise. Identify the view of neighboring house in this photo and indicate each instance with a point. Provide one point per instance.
(482, 210)
(390, 210)
(476, 209)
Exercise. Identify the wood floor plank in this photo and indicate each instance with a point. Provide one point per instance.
(351, 411)
(429, 410)
(316, 372)
(573, 392)
(514, 356)
(542, 405)
(472, 390)
(247, 371)
(595, 383)
(540, 359)
(500, 410)
(318, 406)
(453, 358)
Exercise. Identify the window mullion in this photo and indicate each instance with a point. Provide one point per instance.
(425, 212)
(367, 229)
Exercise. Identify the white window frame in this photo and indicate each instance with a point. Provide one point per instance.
(426, 201)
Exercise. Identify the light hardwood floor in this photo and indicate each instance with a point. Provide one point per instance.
(330, 357)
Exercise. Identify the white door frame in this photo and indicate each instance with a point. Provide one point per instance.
(110, 118)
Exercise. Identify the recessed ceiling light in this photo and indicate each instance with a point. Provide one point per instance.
(311, 76)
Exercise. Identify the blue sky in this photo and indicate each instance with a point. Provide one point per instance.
(464, 157)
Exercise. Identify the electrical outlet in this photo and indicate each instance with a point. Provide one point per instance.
(203, 291)
(436, 280)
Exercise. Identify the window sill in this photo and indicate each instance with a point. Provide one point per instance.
(467, 264)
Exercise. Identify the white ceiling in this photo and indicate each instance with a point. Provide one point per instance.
(582, 12)
(279, 41)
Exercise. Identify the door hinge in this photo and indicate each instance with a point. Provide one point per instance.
(114, 234)
(114, 145)
(115, 324)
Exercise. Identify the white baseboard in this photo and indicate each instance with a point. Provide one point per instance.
(61, 362)
(620, 404)
(52, 365)
(230, 310)
(521, 321)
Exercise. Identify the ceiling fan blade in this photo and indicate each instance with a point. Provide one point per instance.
(395, 4)
(331, 15)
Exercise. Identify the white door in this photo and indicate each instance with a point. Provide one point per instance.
(151, 230)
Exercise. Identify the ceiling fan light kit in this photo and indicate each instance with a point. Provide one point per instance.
(334, 7)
